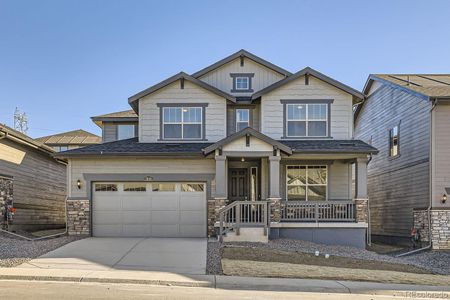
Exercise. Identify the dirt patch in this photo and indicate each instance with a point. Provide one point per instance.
(289, 270)
(272, 255)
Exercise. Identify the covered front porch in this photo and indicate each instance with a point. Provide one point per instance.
(262, 183)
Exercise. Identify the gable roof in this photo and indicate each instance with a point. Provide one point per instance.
(429, 85)
(16, 136)
(120, 116)
(238, 54)
(312, 72)
(74, 137)
(245, 132)
(133, 99)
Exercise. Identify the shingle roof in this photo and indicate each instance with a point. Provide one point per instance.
(24, 139)
(131, 147)
(74, 137)
(431, 85)
(120, 114)
(330, 146)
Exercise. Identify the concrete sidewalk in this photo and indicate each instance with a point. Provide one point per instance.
(219, 282)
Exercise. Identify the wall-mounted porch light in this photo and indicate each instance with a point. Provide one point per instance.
(444, 198)
(242, 159)
(79, 184)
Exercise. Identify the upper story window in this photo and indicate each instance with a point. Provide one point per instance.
(242, 82)
(125, 131)
(306, 118)
(182, 123)
(394, 142)
(242, 118)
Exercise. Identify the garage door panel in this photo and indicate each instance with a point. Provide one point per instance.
(107, 230)
(165, 217)
(165, 230)
(136, 203)
(136, 217)
(136, 230)
(191, 217)
(191, 203)
(149, 213)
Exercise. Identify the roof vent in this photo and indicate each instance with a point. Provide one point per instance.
(347, 144)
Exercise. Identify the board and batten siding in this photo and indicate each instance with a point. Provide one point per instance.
(221, 79)
(396, 185)
(341, 109)
(134, 165)
(231, 117)
(441, 153)
(39, 186)
(149, 112)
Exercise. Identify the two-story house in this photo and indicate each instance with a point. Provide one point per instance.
(242, 149)
(407, 117)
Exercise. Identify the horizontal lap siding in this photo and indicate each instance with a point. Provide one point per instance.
(441, 153)
(135, 165)
(149, 118)
(39, 189)
(341, 109)
(396, 185)
(221, 79)
(109, 132)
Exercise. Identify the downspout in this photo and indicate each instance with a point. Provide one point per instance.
(430, 189)
(369, 231)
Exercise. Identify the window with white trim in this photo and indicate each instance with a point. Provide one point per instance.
(306, 183)
(242, 83)
(242, 118)
(182, 123)
(306, 120)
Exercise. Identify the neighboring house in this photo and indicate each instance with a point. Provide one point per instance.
(70, 140)
(242, 149)
(32, 180)
(407, 117)
(117, 126)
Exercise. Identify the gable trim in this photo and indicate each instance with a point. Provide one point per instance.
(242, 54)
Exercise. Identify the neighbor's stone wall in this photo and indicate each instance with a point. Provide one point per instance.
(78, 217)
(362, 210)
(214, 205)
(440, 227)
(6, 197)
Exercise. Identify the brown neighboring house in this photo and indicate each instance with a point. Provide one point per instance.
(70, 140)
(33, 180)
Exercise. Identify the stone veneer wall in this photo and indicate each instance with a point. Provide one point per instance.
(440, 227)
(78, 217)
(214, 206)
(362, 210)
(275, 210)
(6, 196)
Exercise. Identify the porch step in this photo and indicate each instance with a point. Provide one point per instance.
(247, 234)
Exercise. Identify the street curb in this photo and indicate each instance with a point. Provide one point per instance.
(111, 280)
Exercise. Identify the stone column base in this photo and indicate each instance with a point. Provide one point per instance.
(214, 205)
(362, 210)
(275, 209)
(440, 227)
(78, 217)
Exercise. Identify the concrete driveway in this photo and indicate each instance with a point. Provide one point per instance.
(178, 255)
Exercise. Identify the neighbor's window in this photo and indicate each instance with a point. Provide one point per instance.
(307, 183)
(105, 187)
(242, 119)
(182, 122)
(307, 120)
(134, 187)
(242, 83)
(394, 141)
(125, 132)
(192, 187)
(61, 148)
(163, 187)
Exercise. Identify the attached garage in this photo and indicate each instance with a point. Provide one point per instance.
(149, 209)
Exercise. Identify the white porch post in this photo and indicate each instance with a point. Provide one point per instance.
(361, 178)
(221, 177)
(274, 177)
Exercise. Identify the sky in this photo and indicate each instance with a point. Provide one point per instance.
(62, 62)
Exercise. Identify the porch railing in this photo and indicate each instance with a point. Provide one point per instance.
(301, 211)
(243, 214)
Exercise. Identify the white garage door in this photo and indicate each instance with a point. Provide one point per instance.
(135, 209)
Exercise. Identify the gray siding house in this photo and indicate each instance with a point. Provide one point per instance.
(32, 181)
(407, 118)
(243, 150)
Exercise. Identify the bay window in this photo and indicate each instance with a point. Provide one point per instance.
(306, 183)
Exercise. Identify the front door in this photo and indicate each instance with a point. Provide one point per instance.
(238, 184)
